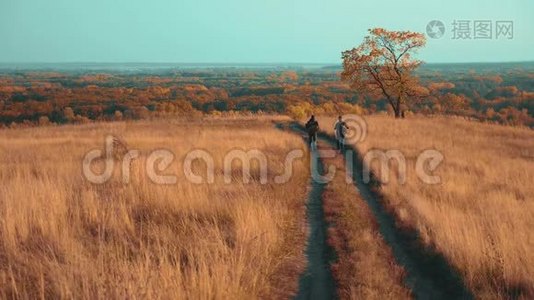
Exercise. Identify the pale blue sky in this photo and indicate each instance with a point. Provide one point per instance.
(245, 31)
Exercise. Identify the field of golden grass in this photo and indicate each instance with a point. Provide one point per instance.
(481, 215)
(63, 237)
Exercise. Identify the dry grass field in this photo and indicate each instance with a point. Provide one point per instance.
(64, 237)
(481, 215)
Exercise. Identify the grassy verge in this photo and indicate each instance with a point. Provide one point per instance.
(63, 237)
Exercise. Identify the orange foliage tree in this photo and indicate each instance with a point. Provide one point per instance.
(383, 64)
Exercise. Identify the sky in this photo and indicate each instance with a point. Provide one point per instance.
(251, 31)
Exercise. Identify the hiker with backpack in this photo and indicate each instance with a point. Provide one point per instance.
(312, 126)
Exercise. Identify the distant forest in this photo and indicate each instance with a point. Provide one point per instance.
(40, 95)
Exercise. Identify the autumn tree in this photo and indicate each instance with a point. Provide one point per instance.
(43, 120)
(383, 65)
(288, 76)
(454, 104)
(117, 115)
(69, 114)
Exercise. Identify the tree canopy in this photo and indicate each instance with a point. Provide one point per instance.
(383, 64)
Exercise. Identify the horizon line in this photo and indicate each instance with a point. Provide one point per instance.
(241, 63)
(235, 63)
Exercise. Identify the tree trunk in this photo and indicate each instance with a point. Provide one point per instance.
(398, 109)
(397, 113)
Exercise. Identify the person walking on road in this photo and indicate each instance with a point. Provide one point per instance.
(340, 129)
(312, 126)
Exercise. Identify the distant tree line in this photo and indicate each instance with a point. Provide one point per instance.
(39, 98)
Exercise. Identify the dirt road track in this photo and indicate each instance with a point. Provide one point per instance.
(317, 281)
(429, 275)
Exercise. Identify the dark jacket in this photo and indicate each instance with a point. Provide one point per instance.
(312, 126)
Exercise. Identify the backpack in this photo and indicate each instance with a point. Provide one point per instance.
(312, 127)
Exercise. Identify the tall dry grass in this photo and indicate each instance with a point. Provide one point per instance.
(63, 237)
(481, 215)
